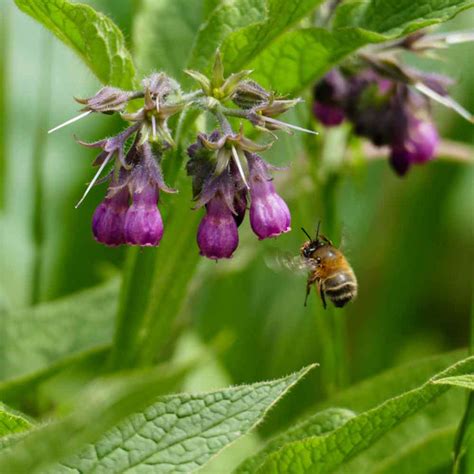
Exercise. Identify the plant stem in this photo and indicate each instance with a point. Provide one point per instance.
(331, 323)
(39, 146)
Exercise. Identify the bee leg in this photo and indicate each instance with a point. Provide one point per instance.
(321, 294)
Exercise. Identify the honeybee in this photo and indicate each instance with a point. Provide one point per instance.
(328, 268)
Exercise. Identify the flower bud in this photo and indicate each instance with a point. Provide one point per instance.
(248, 94)
(217, 235)
(269, 213)
(108, 100)
(109, 218)
(143, 223)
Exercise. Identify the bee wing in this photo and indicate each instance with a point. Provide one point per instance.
(279, 260)
(346, 241)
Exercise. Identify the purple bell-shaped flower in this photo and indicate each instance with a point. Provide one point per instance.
(269, 213)
(143, 223)
(109, 218)
(418, 145)
(217, 236)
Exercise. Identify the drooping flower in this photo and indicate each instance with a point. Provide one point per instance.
(109, 218)
(269, 213)
(417, 146)
(143, 222)
(330, 96)
(329, 115)
(217, 235)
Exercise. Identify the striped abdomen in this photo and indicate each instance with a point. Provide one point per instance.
(340, 287)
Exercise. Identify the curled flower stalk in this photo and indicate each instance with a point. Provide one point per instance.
(229, 176)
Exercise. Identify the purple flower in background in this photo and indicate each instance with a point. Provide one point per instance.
(418, 145)
(329, 115)
(109, 218)
(330, 96)
(387, 111)
(269, 214)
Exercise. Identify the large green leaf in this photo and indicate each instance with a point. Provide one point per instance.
(244, 28)
(396, 17)
(11, 422)
(178, 431)
(372, 392)
(323, 453)
(316, 425)
(93, 36)
(99, 407)
(298, 57)
(182, 432)
(162, 33)
(35, 337)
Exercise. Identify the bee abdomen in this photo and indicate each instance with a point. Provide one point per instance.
(341, 288)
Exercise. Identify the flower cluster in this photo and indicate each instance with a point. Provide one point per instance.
(228, 174)
(387, 101)
(225, 190)
(385, 111)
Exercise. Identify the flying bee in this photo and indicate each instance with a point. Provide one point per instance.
(328, 268)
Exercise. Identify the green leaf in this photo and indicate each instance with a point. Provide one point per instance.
(323, 453)
(11, 422)
(22, 390)
(100, 406)
(464, 381)
(93, 36)
(397, 18)
(316, 425)
(33, 338)
(244, 28)
(297, 58)
(182, 432)
(371, 392)
(430, 454)
(242, 45)
(162, 33)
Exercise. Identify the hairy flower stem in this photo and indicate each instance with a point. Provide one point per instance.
(39, 145)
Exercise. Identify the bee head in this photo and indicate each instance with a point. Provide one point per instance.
(309, 247)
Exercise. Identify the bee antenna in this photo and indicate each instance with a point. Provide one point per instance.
(317, 230)
(309, 237)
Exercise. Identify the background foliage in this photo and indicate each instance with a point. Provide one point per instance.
(76, 316)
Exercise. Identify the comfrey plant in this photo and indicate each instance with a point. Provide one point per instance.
(228, 174)
(388, 102)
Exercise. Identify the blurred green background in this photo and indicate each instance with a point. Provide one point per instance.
(409, 240)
